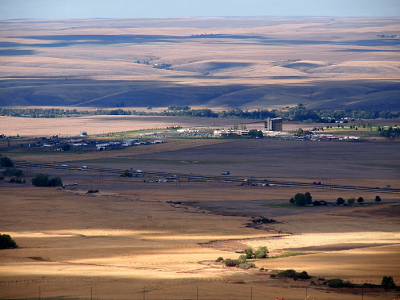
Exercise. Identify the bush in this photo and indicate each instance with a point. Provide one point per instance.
(219, 259)
(340, 201)
(13, 172)
(246, 266)
(263, 220)
(92, 191)
(242, 259)
(350, 201)
(230, 262)
(126, 173)
(360, 200)
(338, 283)
(290, 273)
(6, 242)
(261, 252)
(249, 253)
(378, 199)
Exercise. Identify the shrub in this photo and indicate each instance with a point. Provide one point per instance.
(292, 201)
(242, 259)
(261, 252)
(338, 283)
(219, 259)
(6, 242)
(350, 201)
(126, 173)
(388, 283)
(360, 200)
(230, 262)
(263, 220)
(290, 273)
(249, 253)
(378, 199)
(13, 172)
(92, 191)
(340, 201)
(246, 265)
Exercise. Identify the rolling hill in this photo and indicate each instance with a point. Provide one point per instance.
(205, 62)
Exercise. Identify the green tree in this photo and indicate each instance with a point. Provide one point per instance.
(254, 133)
(308, 198)
(299, 132)
(55, 181)
(6, 242)
(5, 162)
(388, 283)
(300, 199)
(292, 201)
(66, 147)
(340, 201)
(378, 199)
(13, 172)
(40, 180)
(360, 200)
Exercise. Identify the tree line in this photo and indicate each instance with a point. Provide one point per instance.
(297, 113)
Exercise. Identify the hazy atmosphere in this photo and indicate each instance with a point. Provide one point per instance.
(49, 9)
(200, 149)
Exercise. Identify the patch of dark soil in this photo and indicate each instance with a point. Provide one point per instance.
(336, 247)
(228, 245)
(37, 258)
(392, 211)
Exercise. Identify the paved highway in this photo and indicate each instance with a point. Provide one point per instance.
(199, 178)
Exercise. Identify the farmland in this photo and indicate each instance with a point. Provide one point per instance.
(157, 233)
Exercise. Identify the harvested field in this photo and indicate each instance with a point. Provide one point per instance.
(163, 238)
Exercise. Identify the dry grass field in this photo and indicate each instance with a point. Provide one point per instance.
(130, 242)
(324, 63)
(159, 241)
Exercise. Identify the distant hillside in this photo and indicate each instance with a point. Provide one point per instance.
(247, 63)
(363, 95)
